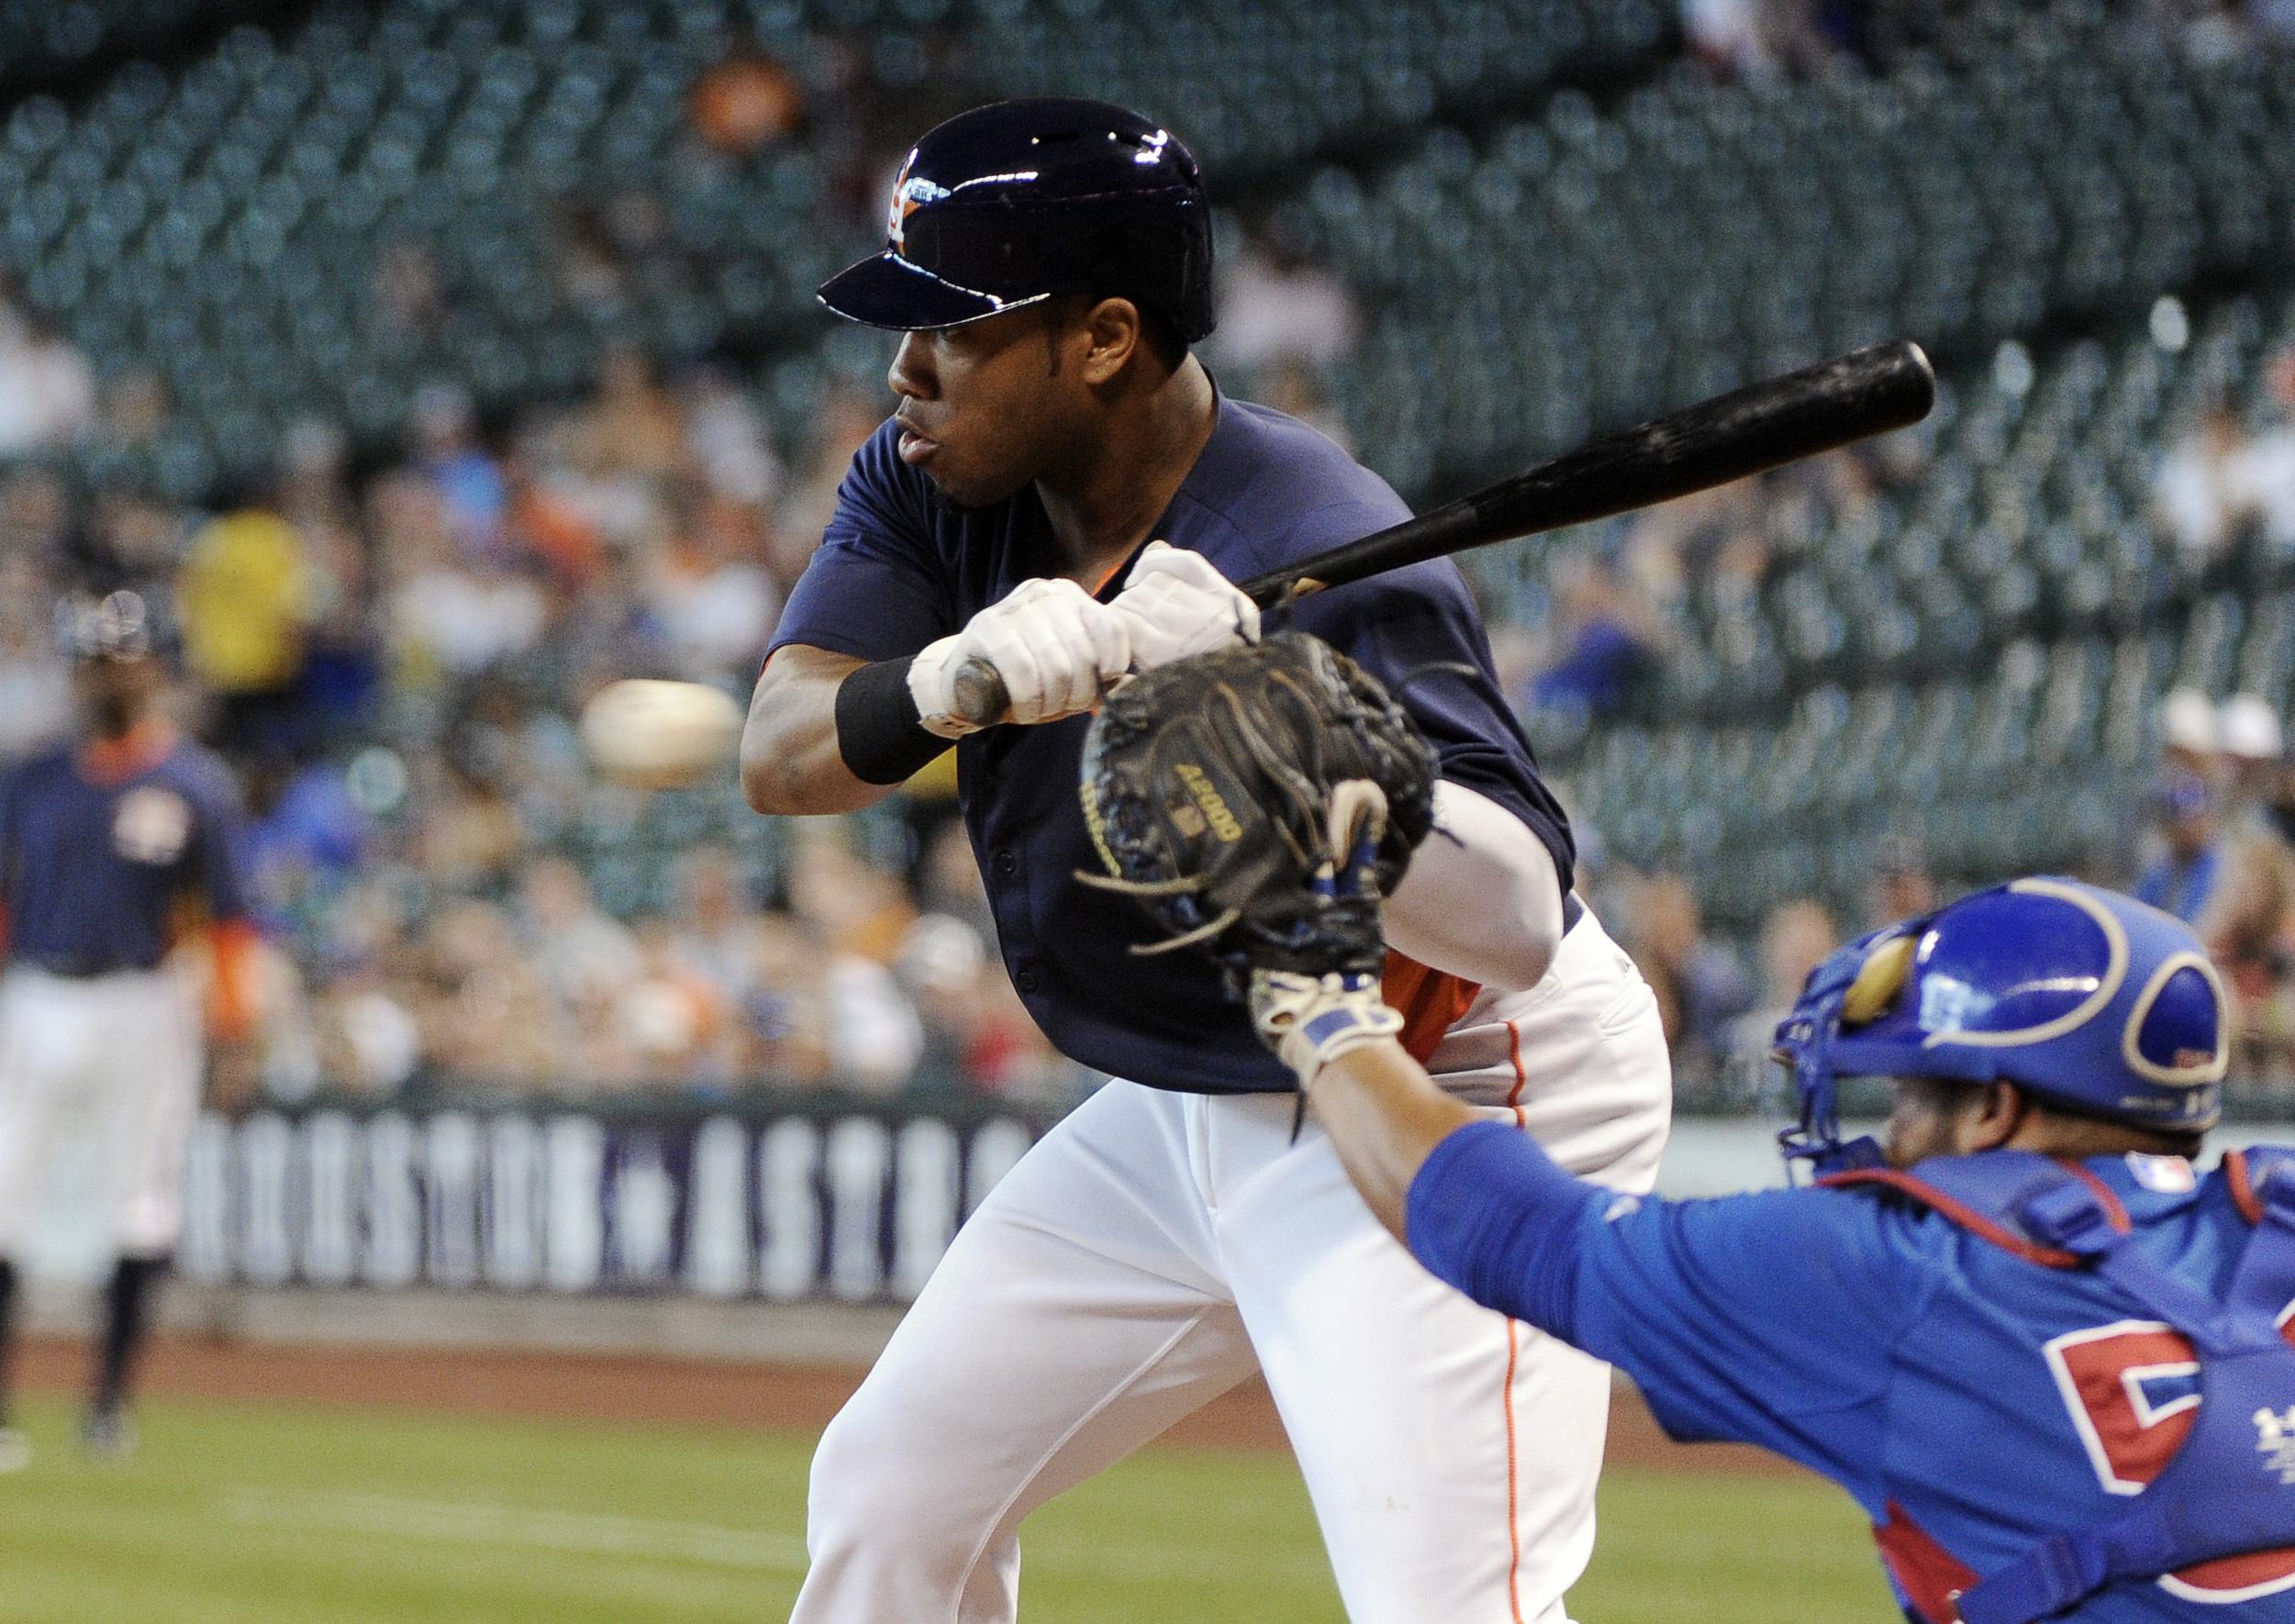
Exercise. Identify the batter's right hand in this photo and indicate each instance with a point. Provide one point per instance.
(1055, 645)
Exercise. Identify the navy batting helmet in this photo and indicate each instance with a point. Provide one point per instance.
(2081, 996)
(1018, 202)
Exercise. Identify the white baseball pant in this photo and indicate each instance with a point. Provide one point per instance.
(119, 1057)
(1156, 1247)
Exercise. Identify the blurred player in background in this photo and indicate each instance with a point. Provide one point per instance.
(1985, 1326)
(1064, 492)
(115, 850)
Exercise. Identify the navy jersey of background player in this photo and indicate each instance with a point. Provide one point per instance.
(900, 566)
(94, 867)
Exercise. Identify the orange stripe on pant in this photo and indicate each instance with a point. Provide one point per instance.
(1513, 1354)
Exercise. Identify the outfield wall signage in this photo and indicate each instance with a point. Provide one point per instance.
(750, 1204)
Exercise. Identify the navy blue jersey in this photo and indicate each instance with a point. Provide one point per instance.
(92, 869)
(1972, 1400)
(899, 568)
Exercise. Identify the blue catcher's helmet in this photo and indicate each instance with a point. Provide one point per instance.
(1017, 202)
(2079, 995)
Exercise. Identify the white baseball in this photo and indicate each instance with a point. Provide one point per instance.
(659, 735)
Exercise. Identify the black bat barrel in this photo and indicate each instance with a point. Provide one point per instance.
(1763, 426)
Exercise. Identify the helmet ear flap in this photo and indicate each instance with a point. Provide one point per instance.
(1878, 982)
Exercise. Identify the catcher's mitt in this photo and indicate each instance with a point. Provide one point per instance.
(1208, 787)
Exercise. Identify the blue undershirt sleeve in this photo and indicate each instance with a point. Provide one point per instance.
(1766, 1319)
(1492, 1214)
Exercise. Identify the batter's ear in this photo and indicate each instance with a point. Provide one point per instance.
(1116, 333)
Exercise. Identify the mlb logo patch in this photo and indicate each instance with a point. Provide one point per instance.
(2163, 1175)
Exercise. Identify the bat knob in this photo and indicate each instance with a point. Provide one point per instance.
(979, 693)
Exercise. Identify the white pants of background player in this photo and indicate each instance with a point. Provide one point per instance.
(1155, 1248)
(116, 1057)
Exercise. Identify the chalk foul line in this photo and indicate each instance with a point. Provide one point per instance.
(585, 1533)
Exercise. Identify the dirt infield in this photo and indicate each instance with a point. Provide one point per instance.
(587, 1388)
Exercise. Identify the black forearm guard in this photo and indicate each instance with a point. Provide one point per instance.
(879, 732)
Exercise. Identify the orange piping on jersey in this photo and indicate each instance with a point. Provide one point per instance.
(106, 761)
(2115, 1214)
(1115, 570)
(1521, 1077)
(2242, 1187)
(231, 998)
(1431, 1001)
(1931, 1576)
(1967, 1218)
(1513, 1520)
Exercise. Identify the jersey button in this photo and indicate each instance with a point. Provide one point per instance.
(1007, 864)
(1028, 981)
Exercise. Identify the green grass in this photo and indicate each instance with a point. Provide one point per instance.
(238, 1514)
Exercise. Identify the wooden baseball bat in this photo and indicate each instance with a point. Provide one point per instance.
(1749, 430)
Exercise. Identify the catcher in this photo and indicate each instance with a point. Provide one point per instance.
(2041, 1350)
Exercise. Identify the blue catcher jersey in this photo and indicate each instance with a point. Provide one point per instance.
(900, 567)
(1976, 1394)
(94, 864)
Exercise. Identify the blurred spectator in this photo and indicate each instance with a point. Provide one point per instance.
(35, 682)
(726, 439)
(632, 425)
(716, 934)
(856, 908)
(583, 954)
(467, 836)
(2252, 742)
(2265, 470)
(1903, 886)
(846, 419)
(2187, 812)
(134, 407)
(446, 615)
(714, 599)
(1738, 39)
(247, 597)
(1277, 307)
(874, 1037)
(670, 1023)
(2191, 732)
(2199, 492)
(745, 103)
(306, 838)
(1797, 936)
(1606, 639)
(369, 1042)
(409, 289)
(47, 393)
(1699, 984)
(469, 482)
(489, 1014)
(1295, 387)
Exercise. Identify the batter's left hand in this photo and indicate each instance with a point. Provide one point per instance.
(1178, 606)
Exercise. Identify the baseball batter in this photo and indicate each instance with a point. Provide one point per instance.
(1065, 493)
(2041, 1351)
(109, 849)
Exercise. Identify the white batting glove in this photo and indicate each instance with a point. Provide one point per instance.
(1311, 1021)
(1051, 642)
(1176, 604)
